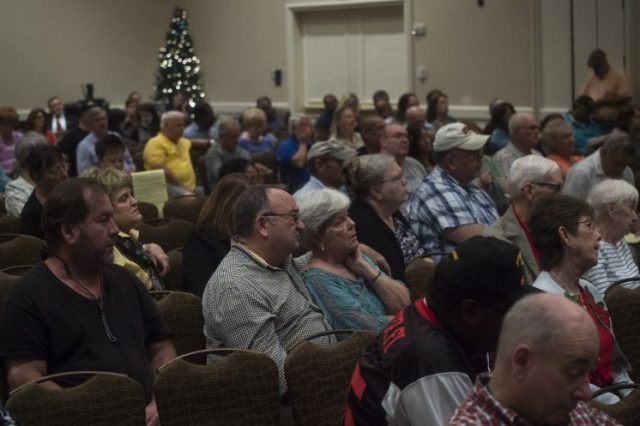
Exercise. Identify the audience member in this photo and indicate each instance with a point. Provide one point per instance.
(169, 151)
(323, 122)
(4, 180)
(379, 189)
(351, 290)
(210, 242)
(416, 116)
(86, 151)
(203, 128)
(557, 141)
(498, 126)
(405, 101)
(18, 191)
(584, 127)
(381, 105)
(343, 128)
(103, 318)
(274, 121)
(421, 146)
(292, 153)
(130, 123)
(447, 208)
(437, 110)
(562, 229)
(47, 169)
(422, 366)
(256, 298)
(36, 123)
(148, 262)
(326, 161)
(110, 152)
(254, 139)
(226, 149)
(8, 139)
(395, 142)
(241, 165)
(546, 349)
(531, 177)
(614, 203)
(525, 135)
(178, 101)
(607, 87)
(69, 142)
(372, 128)
(57, 121)
(148, 124)
(630, 123)
(610, 161)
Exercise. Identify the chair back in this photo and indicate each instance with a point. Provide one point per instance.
(149, 211)
(182, 313)
(268, 159)
(626, 412)
(18, 249)
(241, 388)
(185, 208)
(318, 377)
(170, 234)
(624, 308)
(418, 277)
(9, 224)
(173, 279)
(105, 399)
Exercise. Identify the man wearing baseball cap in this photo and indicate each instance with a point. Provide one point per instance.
(423, 364)
(447, 209)
(326, 161)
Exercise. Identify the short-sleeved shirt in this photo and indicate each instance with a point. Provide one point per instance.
(442, 203)
(615, 262)
(86, 154)
(586, 174)
(174, 156)
(43, 319)
(31, 217)
(216, 156)
(8, 152)
(16, 195)
(264, 144)
(504, 158)
(292, 176)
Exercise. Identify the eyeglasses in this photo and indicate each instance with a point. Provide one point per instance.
(292, 215)
(588, 222)
(398, 178)
(556, 187)
(468, 154)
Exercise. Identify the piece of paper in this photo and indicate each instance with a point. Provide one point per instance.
(151, 187)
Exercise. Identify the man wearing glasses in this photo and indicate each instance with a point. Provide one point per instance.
(326, 160)
(530, 178)
(395, 142)
(525, 135)
(447, 209)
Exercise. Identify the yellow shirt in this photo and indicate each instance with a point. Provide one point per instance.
(122, 260)
(173, 156)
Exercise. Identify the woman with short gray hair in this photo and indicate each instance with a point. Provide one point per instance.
(557, 141)
(351, 290)
(614, 202)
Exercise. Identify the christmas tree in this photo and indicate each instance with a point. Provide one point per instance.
(179, 66)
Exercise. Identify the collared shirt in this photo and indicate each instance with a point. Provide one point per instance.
(582, 177)
(507, 155)
(482, 409)
(86, 154)
(250, 304)
(216, 156)
(174, 156)
(442, 203)
(55, 121)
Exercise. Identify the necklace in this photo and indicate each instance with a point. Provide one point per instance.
(98, 299)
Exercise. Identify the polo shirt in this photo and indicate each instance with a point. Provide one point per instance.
(173, 156)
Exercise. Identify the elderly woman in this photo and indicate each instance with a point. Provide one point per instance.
(343, 127)
(253, 138)
(614, 202)
(557, 141)
(148, 262)
(349, 288)
(36, 123)
(210, 243)
(379, 189)
(563, 230)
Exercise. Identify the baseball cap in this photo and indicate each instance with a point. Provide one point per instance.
(332, 149)
(458, 135)
(486, 269)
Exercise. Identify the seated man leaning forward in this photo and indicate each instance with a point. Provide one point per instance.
(256, 298)
(548, 346)
(423, 364)
(76, 310)
(447, 208)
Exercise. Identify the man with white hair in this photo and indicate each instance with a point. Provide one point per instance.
(530, 178)
(525, 135)
(547, 348)
(170, 152)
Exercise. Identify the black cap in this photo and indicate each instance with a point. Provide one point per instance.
(486, 269)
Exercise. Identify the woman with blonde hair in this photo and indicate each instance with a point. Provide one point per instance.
(343, 127)
(253, 139)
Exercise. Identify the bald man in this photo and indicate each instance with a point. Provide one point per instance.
(547, 347)
(394, 141)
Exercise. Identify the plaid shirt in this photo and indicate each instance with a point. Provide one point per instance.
(480, 408)
(250, 304)
(507, 155)
(441, 203)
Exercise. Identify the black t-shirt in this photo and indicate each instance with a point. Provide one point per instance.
(31, 217)
(43, 319)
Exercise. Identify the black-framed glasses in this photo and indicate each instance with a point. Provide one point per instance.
(556, 187)
(292, 215)
(588, 222)
(467, 154)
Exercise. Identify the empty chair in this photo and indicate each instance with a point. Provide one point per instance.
(103, 400)
(318, 377)
(149, 211)
(624, 308)
(170, 234)
(18, 249)
(9, 225)
(185, 208)
(241, 388)
(182, 312)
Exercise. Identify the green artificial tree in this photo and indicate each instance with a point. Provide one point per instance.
(179, 66)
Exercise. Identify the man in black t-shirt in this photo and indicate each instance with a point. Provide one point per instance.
(76, 310)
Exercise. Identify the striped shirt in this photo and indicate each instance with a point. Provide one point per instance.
(615, 262)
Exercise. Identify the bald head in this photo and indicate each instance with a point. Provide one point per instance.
(415, 114)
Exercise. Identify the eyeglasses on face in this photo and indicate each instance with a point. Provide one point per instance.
(467, 154)
(397, 178)
(292, 215)
(556, 187)
(588, 223)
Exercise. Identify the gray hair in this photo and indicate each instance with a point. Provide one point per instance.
(618, 143)
(552, 132)
(616, 191)
(94, 112)
(170, 115)
(294, 121)
(247, 207)
(530, 168)
(366, 171)
(317, 208)
(225, 123)
(517, 121)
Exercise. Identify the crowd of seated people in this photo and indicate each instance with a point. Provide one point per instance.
(496, 213)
